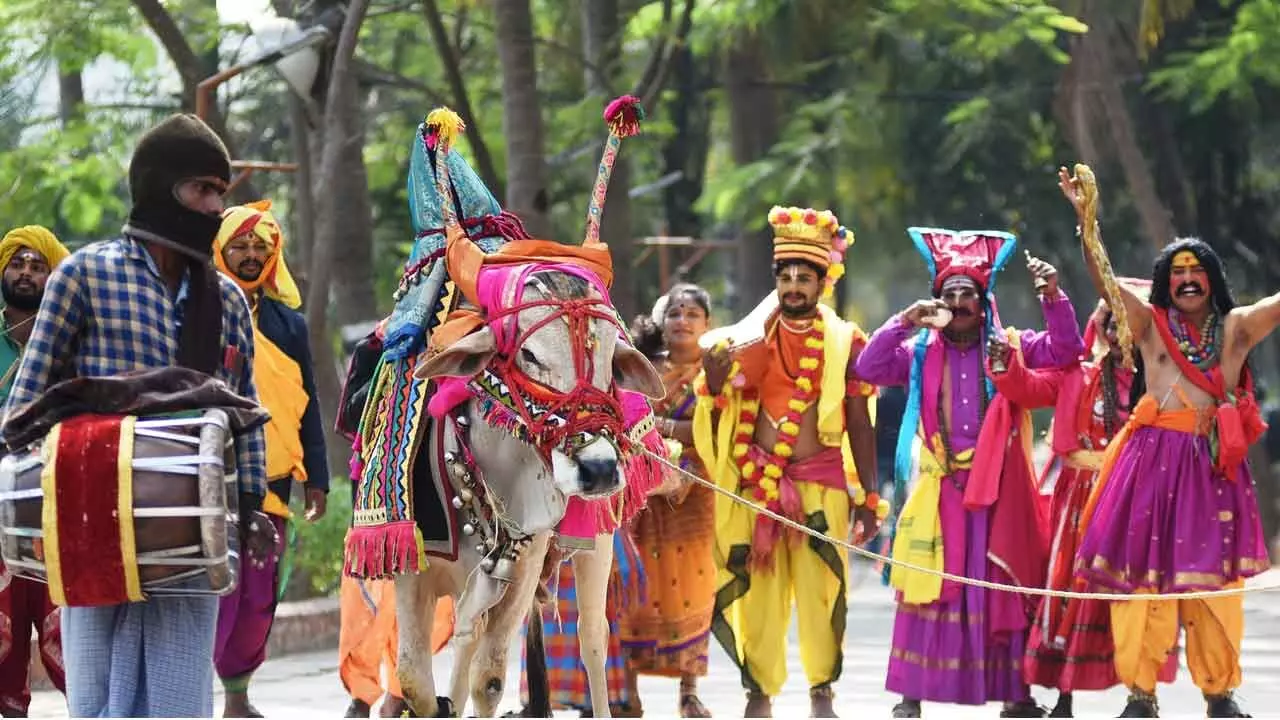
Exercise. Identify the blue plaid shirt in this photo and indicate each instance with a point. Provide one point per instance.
(106, 311)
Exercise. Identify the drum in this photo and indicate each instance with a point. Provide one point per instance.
(183, 494)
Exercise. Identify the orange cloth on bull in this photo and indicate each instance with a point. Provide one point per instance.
(275, 279)
(465, 259)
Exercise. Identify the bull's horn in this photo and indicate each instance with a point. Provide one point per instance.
(623, 117)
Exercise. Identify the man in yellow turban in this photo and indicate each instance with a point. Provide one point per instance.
(249, 248)
(785, 422)
(27, 255)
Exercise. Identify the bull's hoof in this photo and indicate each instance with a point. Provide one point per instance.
(444, 707)
(357, 709)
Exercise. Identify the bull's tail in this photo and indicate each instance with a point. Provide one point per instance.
(536, 666)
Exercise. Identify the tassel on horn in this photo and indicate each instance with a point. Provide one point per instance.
(623, 117)
(443, 128)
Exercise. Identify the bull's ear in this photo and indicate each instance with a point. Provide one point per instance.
(633, 371)
(464, 358)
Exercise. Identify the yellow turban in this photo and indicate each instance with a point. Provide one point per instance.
(35, 237)
(275, 278)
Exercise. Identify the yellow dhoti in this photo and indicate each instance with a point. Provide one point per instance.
(753, 603)
(1146, 630)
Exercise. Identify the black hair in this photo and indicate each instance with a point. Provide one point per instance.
(647, 332)
(1162, 297)
(1219, 290)
(780, 265)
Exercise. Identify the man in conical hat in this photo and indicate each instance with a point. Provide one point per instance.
(974, 510)
(789, 402)
(249, 249)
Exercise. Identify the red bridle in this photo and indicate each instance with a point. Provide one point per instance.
(586, 411)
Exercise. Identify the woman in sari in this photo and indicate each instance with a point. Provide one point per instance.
(667, 634)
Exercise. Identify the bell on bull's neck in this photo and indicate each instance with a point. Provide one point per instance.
(504, 570)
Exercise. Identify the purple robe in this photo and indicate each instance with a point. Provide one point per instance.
(942, 651)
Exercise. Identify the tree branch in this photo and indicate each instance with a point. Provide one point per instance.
(192, 70)
(458, 88)
(376, 75)
(659, 50)
(650, 85)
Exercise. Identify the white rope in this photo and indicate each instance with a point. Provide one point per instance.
(1045, 592)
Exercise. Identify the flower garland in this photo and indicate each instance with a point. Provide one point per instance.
(840, 243)
(807, 383)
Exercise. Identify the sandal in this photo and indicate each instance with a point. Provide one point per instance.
(692, 707)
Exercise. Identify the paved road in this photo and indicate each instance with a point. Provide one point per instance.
(307, 684)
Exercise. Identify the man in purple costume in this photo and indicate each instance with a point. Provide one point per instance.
(942, 640)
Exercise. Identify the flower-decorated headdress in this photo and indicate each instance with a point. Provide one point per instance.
(803, 234)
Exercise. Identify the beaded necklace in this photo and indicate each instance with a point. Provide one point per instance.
(1199, 346)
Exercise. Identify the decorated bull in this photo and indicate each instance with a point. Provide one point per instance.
(507, 406)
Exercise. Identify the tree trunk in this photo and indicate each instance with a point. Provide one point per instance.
(70, 95)
(341, 138)
(192, 70)
(522, 116)
(600, 34)
(686, 151)
(754, 126)
(304, 207)
(458, 88)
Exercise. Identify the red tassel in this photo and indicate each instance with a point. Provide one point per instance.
(623, 116)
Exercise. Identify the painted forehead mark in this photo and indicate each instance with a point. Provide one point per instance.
(959, 283)
(1185, 259)
(28, 253)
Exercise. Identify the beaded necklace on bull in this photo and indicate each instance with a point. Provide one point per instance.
(543, 418)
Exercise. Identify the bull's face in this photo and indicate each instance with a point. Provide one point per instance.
(547, 357)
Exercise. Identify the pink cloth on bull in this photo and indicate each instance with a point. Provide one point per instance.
(583, 518)
(492, 284)
(587, 518)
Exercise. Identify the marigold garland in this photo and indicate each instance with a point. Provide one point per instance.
(807, 382)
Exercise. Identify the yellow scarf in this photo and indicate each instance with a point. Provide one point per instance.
(280, 390)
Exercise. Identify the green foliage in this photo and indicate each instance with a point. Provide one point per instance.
(318, 546)
(1234, 65)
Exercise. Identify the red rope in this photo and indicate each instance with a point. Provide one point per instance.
(585, 408)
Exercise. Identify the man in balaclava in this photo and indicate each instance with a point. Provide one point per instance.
(147, 300)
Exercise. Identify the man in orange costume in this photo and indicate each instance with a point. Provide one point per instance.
(786, 405)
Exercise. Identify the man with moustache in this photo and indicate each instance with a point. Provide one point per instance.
(1175, 509)
(789, 406)
(973, 506)
(27, 254)
(151, 299)
(249, 249)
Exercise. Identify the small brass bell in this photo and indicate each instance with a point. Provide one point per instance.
(468, 529)
(487, 565)
(465, 494)
(457, 502)
(481, 548)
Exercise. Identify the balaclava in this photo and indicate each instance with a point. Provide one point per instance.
(182, 147)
